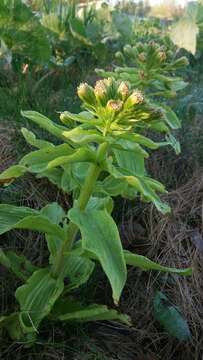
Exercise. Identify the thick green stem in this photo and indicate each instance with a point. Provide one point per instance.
(86, 192)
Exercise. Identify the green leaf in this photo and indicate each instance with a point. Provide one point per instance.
(36, 298)
(171, 118)
(77, 29)
(14, 217)
(45, 123)
(148, 189)
(38, 160)
(77, 269)
(170, 318)
(23, 32)
(80, 155)
(146, 264)
(83, 117)
(101, 238)
(139, 139)
(100, 203)
(32, 140)
(178, 85)
(133, 162)
(12, 324)
(171, 140)
(111, 186)
(71, 310)
(12, 173)
(56, 215)
(81, 136)
(18, 264)
(146, 186)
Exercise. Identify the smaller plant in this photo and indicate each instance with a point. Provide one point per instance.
(150, 66)
(102, 155)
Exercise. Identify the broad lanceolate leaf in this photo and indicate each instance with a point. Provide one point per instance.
(12, 324)
(77, 270)
(71, 310)
(37, 161)
(14, 217)
(171, 118)
(45, 123)
(133, 162)
(77, 29)
(80, 136)
(80, 155)
(21, 266)
(56, 215)
(83, 117)
(146, 264)
(36, 299)
(139, 139)
(100, 203)
(146, 186)
(170, 318)
(171, 140)
(101, 238)
(32, 140)
(12, 173)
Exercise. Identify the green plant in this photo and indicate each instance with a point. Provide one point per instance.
(150, 66)
(102, 156)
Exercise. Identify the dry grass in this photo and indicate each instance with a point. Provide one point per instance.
(175, 241)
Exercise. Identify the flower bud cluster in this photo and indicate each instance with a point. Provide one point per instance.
(154, 54)
(114, 101)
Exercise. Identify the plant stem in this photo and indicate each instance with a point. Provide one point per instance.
(85, 194)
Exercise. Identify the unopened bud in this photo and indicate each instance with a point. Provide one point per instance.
(86, 93)
(119, 56)
(162, 56)
(142, 57)
(123, 90)
(128, 50)
(65, 119)
(100, 90)
(135, 98)
(142, 75)
(115, 105)
(152, 43)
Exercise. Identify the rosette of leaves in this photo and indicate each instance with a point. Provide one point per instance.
(150, 66)
(101, 155)
(22, 32)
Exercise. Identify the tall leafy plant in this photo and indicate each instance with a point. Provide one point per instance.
(99, 154)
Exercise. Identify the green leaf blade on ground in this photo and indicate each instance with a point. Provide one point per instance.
(71, 310)
(170, 318)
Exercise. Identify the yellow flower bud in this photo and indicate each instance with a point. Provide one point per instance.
(86, 93)
(142, 57)
(123, 90)
(115, 105)
(135, 98)
(100, 90)
(162, 56)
